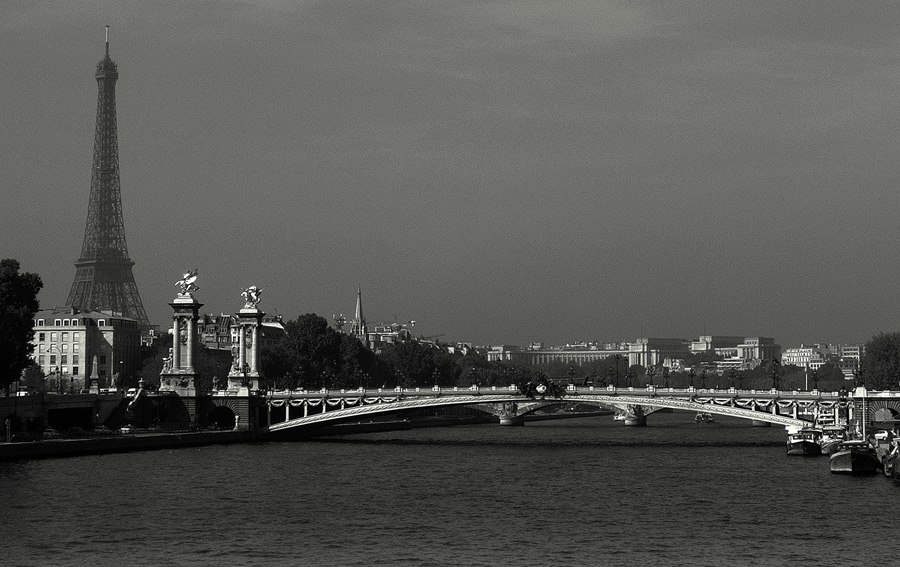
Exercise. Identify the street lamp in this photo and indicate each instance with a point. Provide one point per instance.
(56, 368)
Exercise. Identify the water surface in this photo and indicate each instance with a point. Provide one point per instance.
(573, 492)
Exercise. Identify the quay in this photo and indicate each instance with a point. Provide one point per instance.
(119, 443)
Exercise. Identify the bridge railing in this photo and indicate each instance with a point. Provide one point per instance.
(570, 390)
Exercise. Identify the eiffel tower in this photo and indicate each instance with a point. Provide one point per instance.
(103, 277)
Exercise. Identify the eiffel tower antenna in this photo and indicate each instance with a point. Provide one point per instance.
(103, 276)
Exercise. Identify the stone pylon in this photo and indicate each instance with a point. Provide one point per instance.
(179, 372)
(246, 370)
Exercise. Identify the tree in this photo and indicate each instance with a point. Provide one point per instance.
(413, 363)
(830, 378)
(359, 367)
(33, 378)
(307, 356)
(881, 364)
(18, 305)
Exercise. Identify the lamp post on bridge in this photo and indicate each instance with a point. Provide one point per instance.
(651, 372)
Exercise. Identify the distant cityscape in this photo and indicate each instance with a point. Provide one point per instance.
(71, 344)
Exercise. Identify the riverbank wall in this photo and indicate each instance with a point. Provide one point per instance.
(122, 443)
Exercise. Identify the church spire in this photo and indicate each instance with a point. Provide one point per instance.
(359, 329)
(359, 311)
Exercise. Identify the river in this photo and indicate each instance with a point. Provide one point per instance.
(571, 492)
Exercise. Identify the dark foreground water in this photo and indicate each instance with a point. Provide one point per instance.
(575, 492)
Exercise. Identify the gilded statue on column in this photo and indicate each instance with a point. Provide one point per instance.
(186, 283)
(251, 296)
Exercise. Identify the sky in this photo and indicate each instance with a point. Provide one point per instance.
(501, 172)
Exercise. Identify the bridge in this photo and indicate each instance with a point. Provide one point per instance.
(293, 410)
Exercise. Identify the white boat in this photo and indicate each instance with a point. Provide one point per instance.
(804, 442)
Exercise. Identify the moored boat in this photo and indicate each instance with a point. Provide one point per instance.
(890, 462)
(804, 442)
(856, 457)
(832, 437)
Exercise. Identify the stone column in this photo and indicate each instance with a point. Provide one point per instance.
(191, 338)
(242, 347)
(254, 352)
(176, 342)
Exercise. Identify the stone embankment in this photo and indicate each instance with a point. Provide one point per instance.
(120, 443)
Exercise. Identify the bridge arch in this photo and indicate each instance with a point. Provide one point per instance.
(222, 417)
(398, 404)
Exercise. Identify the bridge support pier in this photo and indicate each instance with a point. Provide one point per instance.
(634, 416)
(512, 420)
(509, 414)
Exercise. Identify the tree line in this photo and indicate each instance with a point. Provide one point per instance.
(313, 355)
